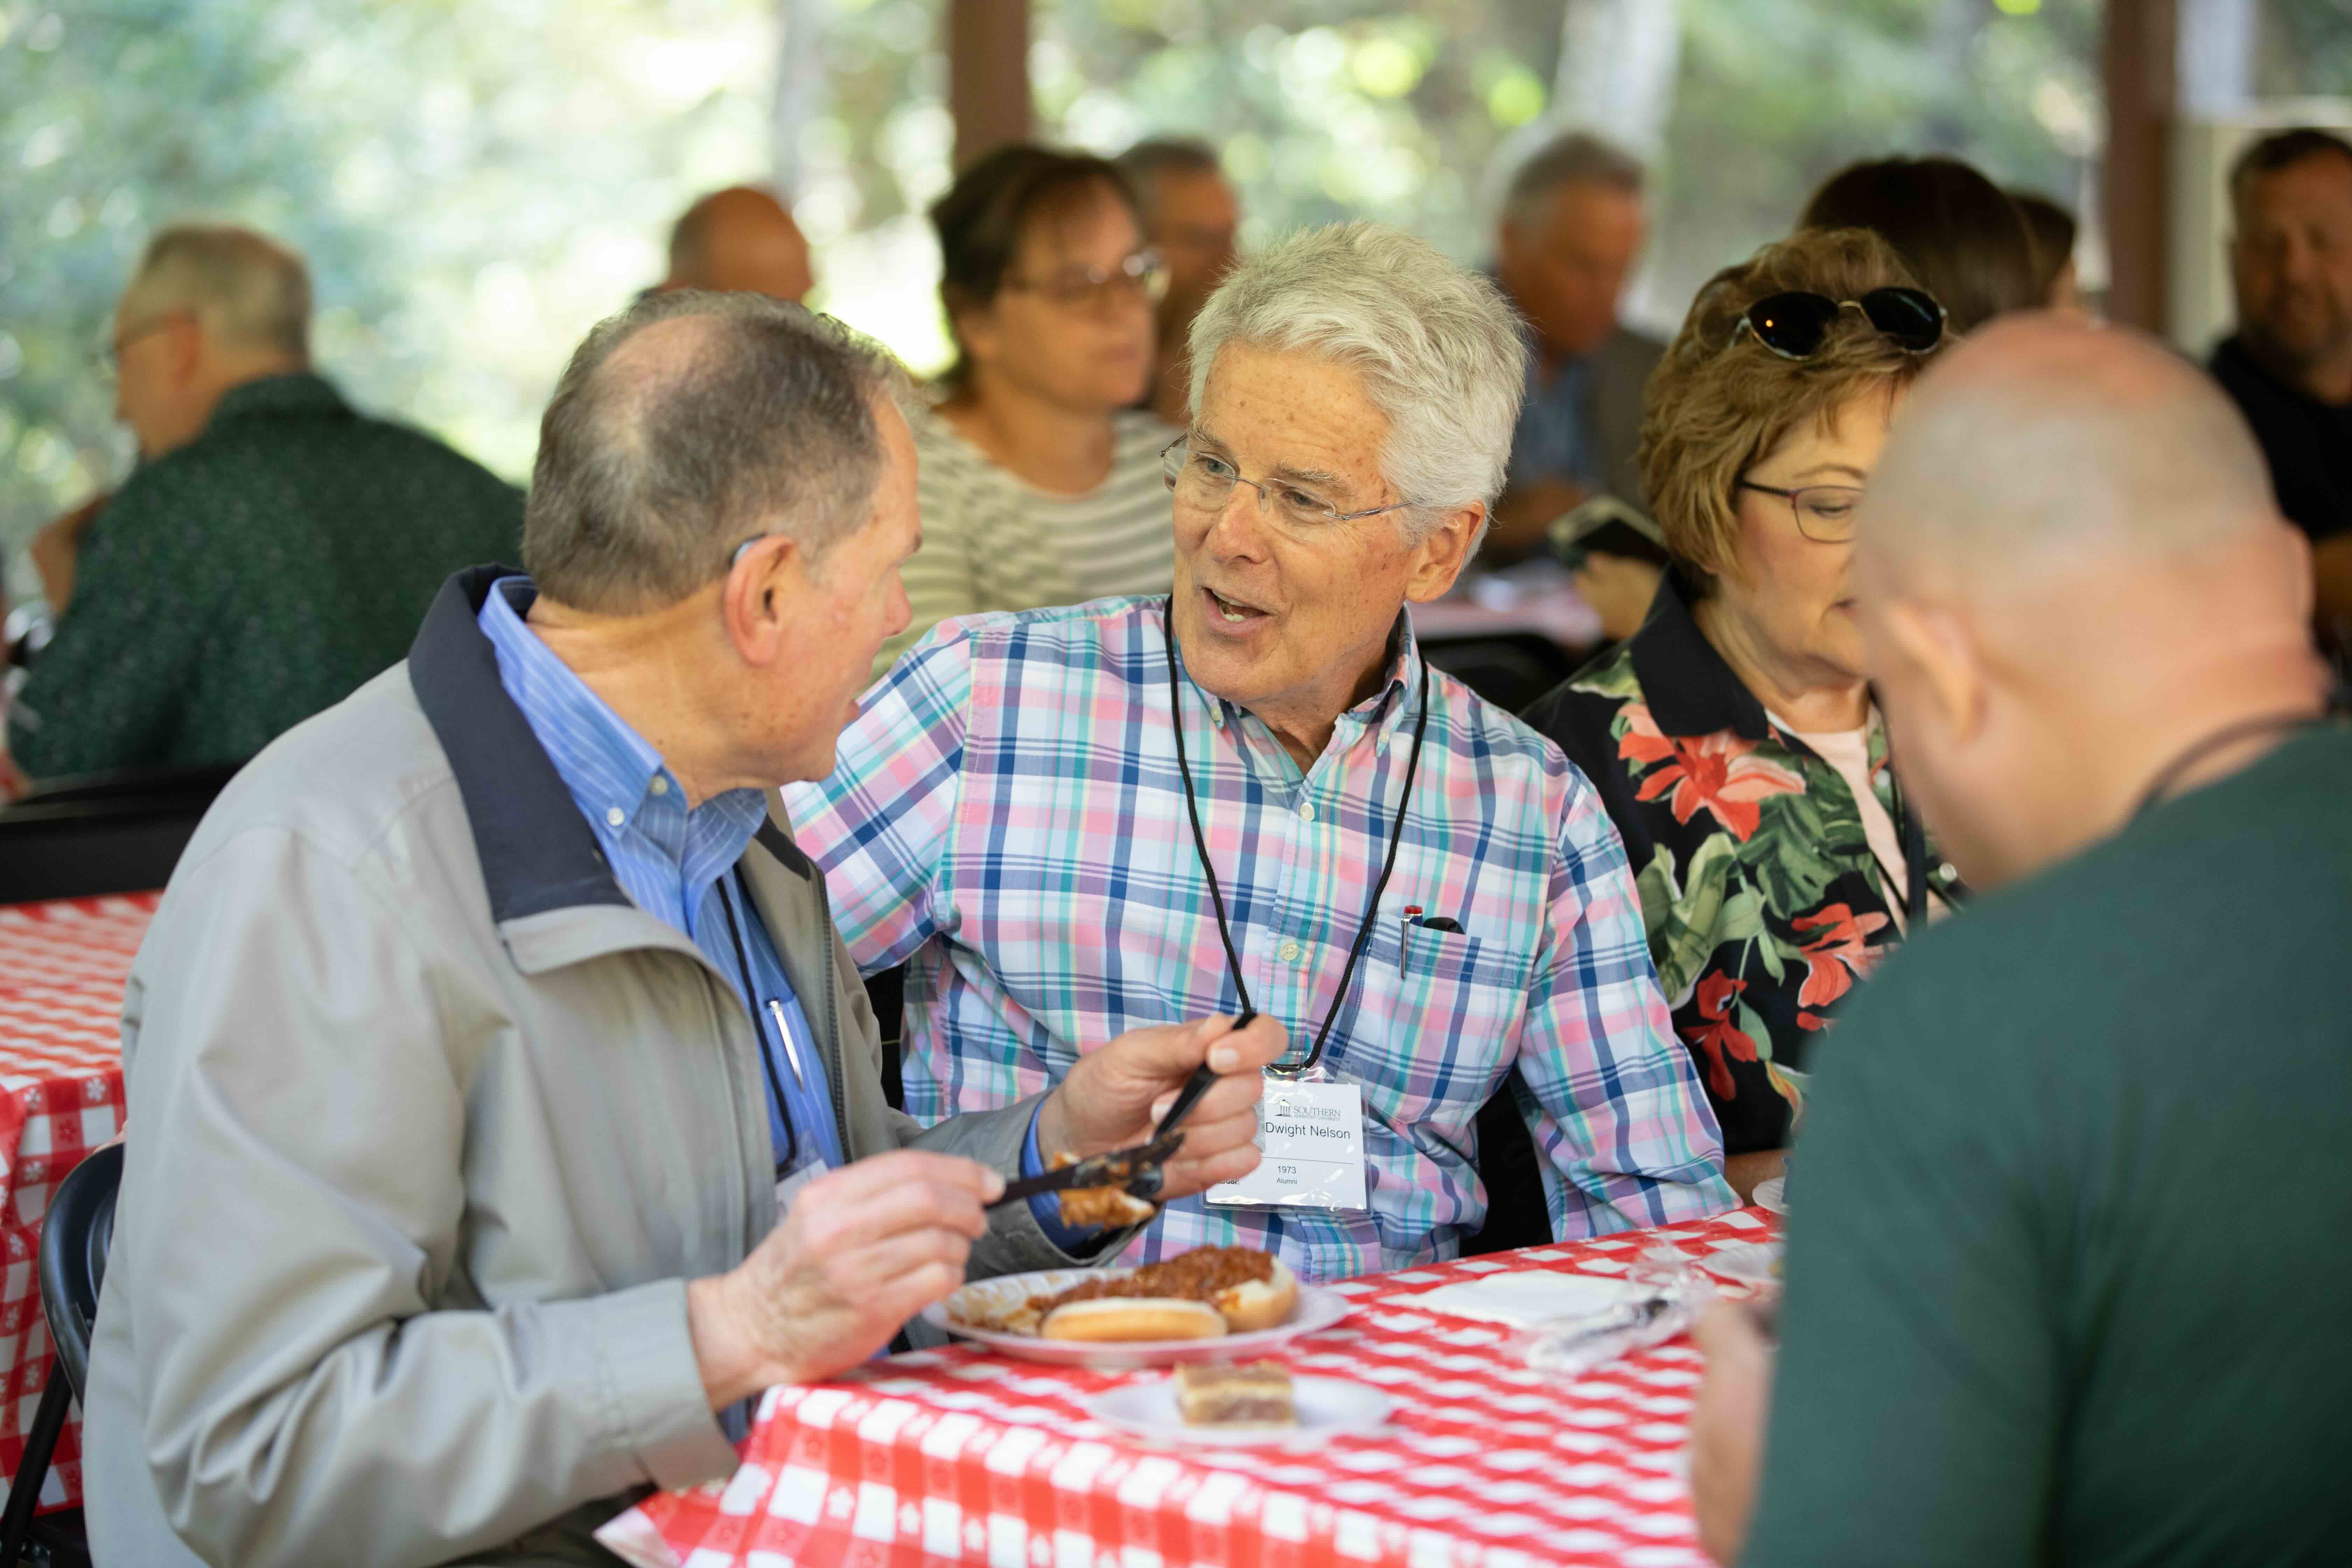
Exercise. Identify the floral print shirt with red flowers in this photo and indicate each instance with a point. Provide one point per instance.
(1763, 902)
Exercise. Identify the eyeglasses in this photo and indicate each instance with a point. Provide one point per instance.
(1824, 513)
(1143, 273)
(1203, 480)
(1793, 325)
(109, 358)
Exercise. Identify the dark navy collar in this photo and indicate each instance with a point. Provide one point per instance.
(1689, 687)
(537, 852)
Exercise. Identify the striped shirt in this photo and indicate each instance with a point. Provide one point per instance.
(1008, 820)
(993, 540)
(672, 862)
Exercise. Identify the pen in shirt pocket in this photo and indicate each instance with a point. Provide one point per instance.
(1413, 917)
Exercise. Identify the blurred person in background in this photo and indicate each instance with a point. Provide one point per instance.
(2289, 365)
(1041, 478)
(2066, 1279)
(1572, 225)
(740, 239)
(2053, 229)
(1962, 237)
(1190, 217)
(272, 551)
(1734, 740)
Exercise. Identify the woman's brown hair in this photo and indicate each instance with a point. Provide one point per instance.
(987, 212)
(1720, 401)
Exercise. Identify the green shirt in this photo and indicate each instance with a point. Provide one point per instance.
(2070, 1266)
(239, 584)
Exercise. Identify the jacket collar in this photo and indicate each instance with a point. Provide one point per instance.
(1690, 689)
(537, 852)
(300, 393)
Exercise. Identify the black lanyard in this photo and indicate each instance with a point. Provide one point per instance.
(2170, 775)
(1217, 897)
(760, 1032)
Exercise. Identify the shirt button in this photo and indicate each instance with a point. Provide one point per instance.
(659, 787)
(616, 817)
(1289, 951)
(1306, 810)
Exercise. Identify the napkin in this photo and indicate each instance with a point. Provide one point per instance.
(1528, 1296)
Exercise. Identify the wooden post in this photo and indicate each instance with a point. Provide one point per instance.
(2137, 59)
(988, 75)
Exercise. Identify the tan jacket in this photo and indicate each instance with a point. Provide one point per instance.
(429, 1127)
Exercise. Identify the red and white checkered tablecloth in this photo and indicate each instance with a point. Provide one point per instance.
(959, 1456)
(61, 970)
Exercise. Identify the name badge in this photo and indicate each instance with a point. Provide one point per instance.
(789, 1186)
(1312, 1137)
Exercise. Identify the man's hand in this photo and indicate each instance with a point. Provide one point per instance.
(1621, 589)
(1114, 1096)
(58, 545)
(865, 1248)
(1524, 514)
(1727, 1428)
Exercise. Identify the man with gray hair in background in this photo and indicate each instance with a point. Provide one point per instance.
(1191, 217)
(503, 1110)
(1572, 225)
(2065, 1273)
(274, 548)
(1256, 795)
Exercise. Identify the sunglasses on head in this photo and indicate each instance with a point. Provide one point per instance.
(1793, 325)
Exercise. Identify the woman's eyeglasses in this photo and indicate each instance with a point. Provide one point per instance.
(1794, 325)
(1143, 273)
(1824, 513)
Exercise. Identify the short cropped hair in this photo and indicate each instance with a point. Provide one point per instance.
(1719, 401)
(1437, 346)
(1575, 158)
(648, 478)
(987, 213)
(1957, 232)
(248, 290)
(1147, 163)
(2283, 150)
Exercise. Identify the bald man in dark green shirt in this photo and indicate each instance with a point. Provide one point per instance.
(274, 549)
(2070, 1254)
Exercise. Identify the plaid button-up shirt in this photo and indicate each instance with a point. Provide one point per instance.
(1007, 819)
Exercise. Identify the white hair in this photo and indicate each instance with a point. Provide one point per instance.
(1438, 347)
(251, 291)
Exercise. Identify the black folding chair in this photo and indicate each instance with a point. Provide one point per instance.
(1516, 1214)
(102, 833)
(1510, 669)
(74, 1241)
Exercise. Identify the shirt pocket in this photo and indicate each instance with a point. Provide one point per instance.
(1428, 1035)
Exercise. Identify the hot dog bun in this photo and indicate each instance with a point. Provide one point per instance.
(1120, 1317)
(1256, 1304)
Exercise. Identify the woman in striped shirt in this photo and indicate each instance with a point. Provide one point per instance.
(1040, 482)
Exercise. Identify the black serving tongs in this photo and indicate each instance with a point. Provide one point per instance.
(1140, 1169)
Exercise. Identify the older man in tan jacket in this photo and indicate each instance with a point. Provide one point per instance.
(504, 1110)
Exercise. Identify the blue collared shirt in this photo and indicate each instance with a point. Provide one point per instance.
(674, 863)
(1553, 440)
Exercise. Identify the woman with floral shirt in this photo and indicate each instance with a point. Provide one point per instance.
(1733, 739)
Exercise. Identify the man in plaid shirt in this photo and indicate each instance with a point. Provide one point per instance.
(1009, 816)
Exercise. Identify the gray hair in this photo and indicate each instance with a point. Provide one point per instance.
(1576, 158)
(1147, 161)
(1438, 348)
(247, 289)
(655, 466)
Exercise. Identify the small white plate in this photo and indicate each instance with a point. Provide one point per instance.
(1317, 1308)
(1749, 1262)
(1326, 1407)
(1768, 1194)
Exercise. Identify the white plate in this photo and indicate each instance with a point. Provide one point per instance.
(1317, 1308)
(1326, 1407)
(1749, 1262)
(1768, 1194)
